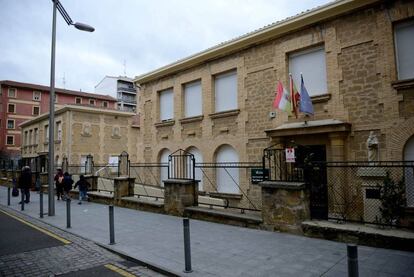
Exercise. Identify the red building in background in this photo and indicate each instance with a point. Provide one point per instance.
(22, 101)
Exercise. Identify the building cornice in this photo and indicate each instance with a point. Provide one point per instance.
(77, 109)
(325, 12)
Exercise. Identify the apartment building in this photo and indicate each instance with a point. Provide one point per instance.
(121, 88)
(23, 101)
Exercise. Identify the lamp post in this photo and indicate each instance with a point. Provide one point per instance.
(83, 27)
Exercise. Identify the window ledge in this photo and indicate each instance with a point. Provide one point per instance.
(403, 84)
(321, 98)
(191, 119)
(224, 114)
(164, 123)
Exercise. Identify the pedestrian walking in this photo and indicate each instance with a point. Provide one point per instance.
(25, 183)
(83, 188)
(59, 184)
(67, 185)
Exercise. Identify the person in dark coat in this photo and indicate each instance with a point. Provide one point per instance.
(25, 183)
(67, 185)
(59, 183)
(83, 188)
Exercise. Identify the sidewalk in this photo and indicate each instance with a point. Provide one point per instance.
(216, 249)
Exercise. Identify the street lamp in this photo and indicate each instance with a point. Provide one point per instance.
(80, 26)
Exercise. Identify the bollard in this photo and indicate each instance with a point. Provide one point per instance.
(8, 196)
(22, 202)
(111, 225)
(41, 204)
(187, 248)
(352, 260)
(68, 213)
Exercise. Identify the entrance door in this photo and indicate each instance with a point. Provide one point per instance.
(315, 176)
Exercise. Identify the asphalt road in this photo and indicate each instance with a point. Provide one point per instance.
(17, 237)
(30, 249)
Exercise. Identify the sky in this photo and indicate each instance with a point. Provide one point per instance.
(131, 37)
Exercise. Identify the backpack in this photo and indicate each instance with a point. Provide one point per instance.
(67, 183)
(15, 192)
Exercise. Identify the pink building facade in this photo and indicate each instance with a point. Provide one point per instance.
(23, 101)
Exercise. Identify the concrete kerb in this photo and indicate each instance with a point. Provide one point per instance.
(141, 262)
(148, 264)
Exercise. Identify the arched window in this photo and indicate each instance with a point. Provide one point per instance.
(198, 159)
(227, 177)
(409, 172)
(164, 169)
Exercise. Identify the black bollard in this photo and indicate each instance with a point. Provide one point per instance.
(68, 213)
(22, 202)
(41, 203)
(8, 196)
(111, 225)
(187, 248)
(352, 260)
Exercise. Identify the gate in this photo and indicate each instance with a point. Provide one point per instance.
(303, 169)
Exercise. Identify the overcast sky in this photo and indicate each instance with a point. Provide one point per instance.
(144, 35)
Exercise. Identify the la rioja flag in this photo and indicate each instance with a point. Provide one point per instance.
(282, 100)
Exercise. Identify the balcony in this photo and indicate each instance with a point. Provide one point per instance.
(128, 100)
(126, 89)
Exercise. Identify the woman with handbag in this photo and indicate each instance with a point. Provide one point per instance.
(25, 183)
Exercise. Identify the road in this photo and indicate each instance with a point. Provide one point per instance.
(31, 248)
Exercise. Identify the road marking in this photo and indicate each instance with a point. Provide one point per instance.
(65, 241)
(119, 270)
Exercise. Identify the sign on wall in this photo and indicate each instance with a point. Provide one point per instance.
(290, 155)
(258, 175)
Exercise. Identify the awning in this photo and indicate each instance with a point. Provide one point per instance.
(309, 128)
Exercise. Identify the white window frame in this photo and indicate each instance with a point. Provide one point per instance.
(36, 136)
(46, 135)
(14, 124)
(7, 140)
(25, 139)
(225, 100)
(80, 100)
(193, 99)
(58, 130)
(166, 109)
(37, 97)
(33, 109)
(15, 92)
(14, 108)
(403, 75)
(310, 75)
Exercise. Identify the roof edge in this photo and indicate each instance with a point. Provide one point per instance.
(78, 109)
(266, 33)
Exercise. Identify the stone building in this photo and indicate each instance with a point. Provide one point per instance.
(79, 132)
(356, 60)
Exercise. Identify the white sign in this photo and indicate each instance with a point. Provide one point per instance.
(290, 155)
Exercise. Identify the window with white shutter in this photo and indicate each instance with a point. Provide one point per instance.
(312, 64)
(192, 99)
(404, 42)
(166, 104)
(225, 87)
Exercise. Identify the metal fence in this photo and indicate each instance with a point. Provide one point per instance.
(230, 181)
(367, 192)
